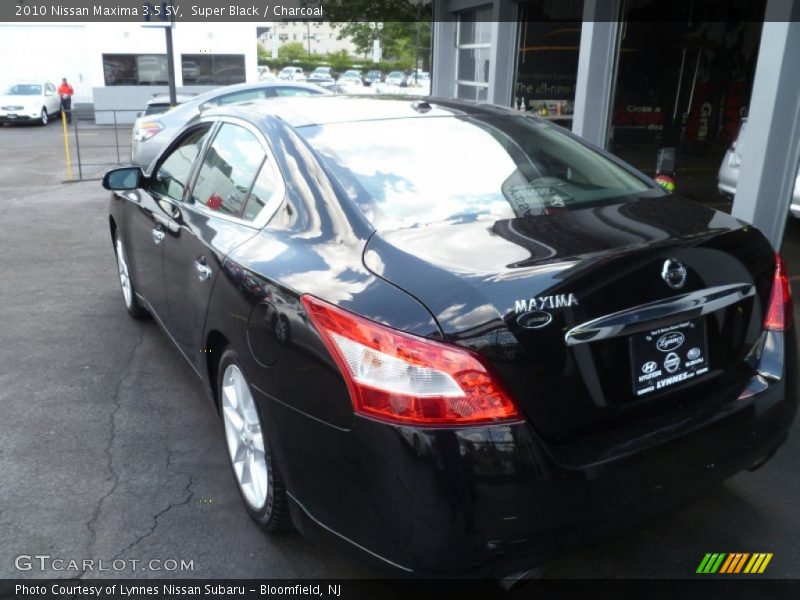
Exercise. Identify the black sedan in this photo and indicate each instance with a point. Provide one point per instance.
(454, 339)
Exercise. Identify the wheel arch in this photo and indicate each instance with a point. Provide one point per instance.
(216, 342)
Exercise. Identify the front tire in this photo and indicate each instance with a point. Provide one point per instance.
(136, 310)
(44, 118)
(249, 451)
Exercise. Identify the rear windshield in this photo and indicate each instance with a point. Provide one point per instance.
(415, 172)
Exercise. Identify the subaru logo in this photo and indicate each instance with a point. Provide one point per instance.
(649, 366)
(670, 341)
(673, 273)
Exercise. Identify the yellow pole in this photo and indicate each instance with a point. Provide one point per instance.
(66, 145)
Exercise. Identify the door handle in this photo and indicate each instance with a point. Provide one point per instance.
(203, 270)
(158, 235)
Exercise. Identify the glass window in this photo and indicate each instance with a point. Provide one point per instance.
(228, 170)
(473, 51)
(485, 168)
(294, 91)
(212, 69)
(265, 185)
(473, 64)
(243, 96)
(473, 27)
(135, 69)
(173, 173)
(23, 89)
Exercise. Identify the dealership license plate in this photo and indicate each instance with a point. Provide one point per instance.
(668, 356)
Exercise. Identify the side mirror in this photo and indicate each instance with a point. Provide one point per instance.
(48, 93)
(206, 105)
(126, 178)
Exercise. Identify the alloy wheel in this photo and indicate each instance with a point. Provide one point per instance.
(124, 274)
(244, 436)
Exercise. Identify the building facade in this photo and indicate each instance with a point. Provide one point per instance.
(318, 37)
(638, 76)
(119, 66)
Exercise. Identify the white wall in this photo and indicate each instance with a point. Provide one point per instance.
(53, 51)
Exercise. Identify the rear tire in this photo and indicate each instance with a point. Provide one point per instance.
(250, 454)
(136, 310)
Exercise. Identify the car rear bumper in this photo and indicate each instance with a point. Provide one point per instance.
(491, 501)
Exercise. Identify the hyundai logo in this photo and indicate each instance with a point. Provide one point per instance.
(670, 341)
(673, 273)
(649, 366)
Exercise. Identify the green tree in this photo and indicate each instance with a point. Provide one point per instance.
(292, 51)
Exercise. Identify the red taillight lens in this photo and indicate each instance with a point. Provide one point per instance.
(401, 378)
(779, 313)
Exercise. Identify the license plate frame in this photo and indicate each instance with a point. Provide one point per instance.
(664, 357)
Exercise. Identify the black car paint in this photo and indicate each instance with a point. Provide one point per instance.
(478, 500)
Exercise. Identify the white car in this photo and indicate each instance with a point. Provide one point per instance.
(292, 74)
(29, 101)
(728, 176)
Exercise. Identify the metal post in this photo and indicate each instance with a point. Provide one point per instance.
(116, 136)
(173, 96)
(770, 145)
(597, 67)
(66, 145)
(78, 148)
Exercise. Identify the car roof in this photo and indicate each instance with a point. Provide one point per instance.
(304, 111)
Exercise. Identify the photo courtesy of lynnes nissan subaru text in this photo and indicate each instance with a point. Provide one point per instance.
(450, 337)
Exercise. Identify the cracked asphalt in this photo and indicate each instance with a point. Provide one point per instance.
(110, 450)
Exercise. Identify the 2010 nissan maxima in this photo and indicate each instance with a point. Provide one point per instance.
(455, 339)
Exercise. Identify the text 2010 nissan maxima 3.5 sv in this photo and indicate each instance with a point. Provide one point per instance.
(454, 338)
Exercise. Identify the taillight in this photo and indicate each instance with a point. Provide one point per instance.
(405, 379)
(779, 313)
(145, 130)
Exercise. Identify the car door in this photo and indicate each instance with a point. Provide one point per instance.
(148, 216)
(51, 99)
(207, 225)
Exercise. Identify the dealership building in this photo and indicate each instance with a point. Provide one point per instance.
(641, 75)
(117, 67)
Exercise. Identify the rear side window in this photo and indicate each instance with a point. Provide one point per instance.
(228, 170)
(244, 96)
(264, 187)
(294, 91)
(419, 171)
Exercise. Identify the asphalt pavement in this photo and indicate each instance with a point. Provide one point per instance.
(109, 449)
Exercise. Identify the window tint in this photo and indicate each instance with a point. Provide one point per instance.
(242, 96)
(228, 169)
(265, 185)
(135, 69)
(294, 91)
(212, 69)
(414, 172)
(173, 173)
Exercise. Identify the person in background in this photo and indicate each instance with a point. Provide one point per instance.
(65, 91)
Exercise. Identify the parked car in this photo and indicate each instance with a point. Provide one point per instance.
(374, 76)
(492, 326)
(292, 74)
(29, 101)
(351, 76)
(160, 103)
(150, 135)
(728, 175)
(397, 78)
(322, 74)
